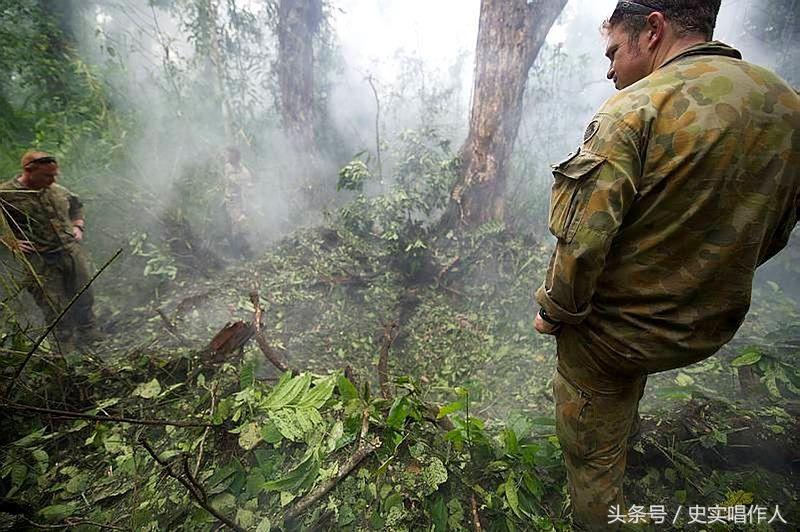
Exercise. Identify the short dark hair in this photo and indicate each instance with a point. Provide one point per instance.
(690, 17)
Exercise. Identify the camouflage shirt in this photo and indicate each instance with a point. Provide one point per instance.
(686, 181)
(238, 185)
(42, 216)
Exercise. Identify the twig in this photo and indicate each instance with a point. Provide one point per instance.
(445, 269)
(269, 353)
(389, 335)
(371, 82)
(208, 429)
(56, 321)
(190, 484)
(476, 518)
(71, 522)
(116, 419)
(172, 329)
(364, 449)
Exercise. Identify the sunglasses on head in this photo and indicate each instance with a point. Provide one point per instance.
(41, 160)
(629, 8)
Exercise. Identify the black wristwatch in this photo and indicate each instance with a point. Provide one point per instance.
(549, 319)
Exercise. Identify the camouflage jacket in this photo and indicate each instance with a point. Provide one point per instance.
(238, 183)
(685, 182)
(42, 216)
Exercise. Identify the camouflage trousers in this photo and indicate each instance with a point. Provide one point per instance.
(61, 275)
(593, 428)
(237, 227)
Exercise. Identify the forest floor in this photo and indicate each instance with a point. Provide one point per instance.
(458, 317)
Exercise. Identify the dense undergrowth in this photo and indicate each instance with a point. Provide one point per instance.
(460, 433)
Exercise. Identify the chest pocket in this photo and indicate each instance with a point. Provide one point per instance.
(572, 187)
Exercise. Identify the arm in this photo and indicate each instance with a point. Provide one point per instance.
(591, 195)
(76, 215)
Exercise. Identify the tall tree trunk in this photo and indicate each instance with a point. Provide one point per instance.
(298, 24)
(510, 34)
(208, 16)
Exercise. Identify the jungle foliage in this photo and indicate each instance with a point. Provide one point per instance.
(418, 395)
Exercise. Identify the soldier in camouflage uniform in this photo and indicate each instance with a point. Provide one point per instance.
(47, 225)
(237, 182)
(686, 181)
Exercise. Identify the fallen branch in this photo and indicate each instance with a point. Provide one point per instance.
(190, 483)
(365, 448)
(212, 391)
(476, 518)
(389, 336)
(71, 522)
(115, 419)
(269, 353)
(56, 322)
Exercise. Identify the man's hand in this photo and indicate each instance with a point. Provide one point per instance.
(543, 327)
(25, 246)
(77, 232)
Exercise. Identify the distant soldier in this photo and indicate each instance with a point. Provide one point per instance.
(685, 182)
(47, 225)
(238, 184)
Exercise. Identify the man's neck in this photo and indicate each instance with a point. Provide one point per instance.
(23, 180)
(676, 48)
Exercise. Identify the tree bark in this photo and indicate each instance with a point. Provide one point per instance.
(298, 24)
(510, 34)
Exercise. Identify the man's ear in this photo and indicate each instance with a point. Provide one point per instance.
(656, 29)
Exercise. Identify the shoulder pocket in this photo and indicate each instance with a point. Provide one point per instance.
(572, 187)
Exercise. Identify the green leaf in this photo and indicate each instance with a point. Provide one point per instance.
(319, 394)
(397, 413)
(270, 432)
(57, 512)
(250, 436)
(439, 515)
(19, 472)
(42, 460)
(255, 483)
(287, 390)
(264, 525)
(748, 358)
(512, 496)
(245, 517)
(346, 388)
(247, 376)
(297, 477)
(148, 390)
(449, 409)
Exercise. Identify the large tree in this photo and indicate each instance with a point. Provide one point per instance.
(298, 26)
(510, 34)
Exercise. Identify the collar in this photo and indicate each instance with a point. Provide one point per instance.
(707, 48)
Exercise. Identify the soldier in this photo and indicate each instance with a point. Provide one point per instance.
(47, 226)
(686, 181)
(237, 182)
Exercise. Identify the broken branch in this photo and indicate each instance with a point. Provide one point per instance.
(190, 484)
(389, 336)
(364, 449)
(79, 415)
(269, 353)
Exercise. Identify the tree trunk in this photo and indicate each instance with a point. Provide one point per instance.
(510, 34)
(298, 24)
